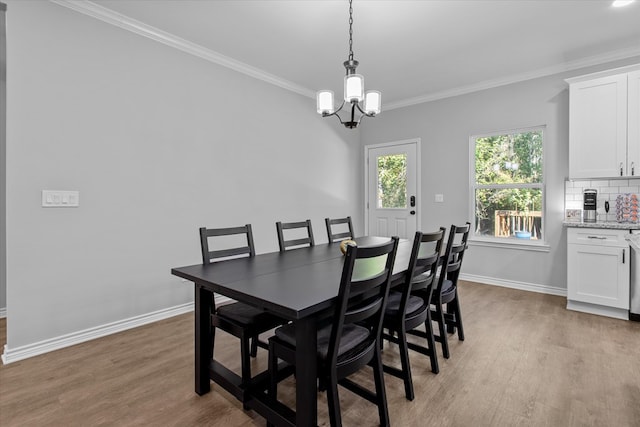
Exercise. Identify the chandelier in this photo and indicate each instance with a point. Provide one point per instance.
(368, 104)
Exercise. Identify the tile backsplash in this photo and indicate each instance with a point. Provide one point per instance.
(608, 190)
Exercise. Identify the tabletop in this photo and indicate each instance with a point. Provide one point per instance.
(293, 284)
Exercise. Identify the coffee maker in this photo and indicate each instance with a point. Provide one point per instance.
(590, 205)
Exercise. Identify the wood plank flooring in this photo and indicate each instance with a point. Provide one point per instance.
(526, 361)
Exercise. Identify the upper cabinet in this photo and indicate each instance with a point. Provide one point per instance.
(633, 112)
(604, 124)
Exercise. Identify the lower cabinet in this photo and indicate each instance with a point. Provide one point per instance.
(598, 271)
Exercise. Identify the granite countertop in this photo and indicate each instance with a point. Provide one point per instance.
(603, 224)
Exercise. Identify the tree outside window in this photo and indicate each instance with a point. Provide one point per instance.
(392, 181)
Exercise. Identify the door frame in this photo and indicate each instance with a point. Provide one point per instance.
(413, 141)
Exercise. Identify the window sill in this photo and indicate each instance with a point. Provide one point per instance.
(525, 245)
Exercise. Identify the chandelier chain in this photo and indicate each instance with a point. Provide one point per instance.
(350, 30)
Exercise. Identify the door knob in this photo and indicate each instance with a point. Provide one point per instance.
(412, 212)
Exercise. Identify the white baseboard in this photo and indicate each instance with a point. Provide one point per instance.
(531, 287)
(3, 312)
(14, 354)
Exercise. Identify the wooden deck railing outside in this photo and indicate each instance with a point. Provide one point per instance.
(508, 222)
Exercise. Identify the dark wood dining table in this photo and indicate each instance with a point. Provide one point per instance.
(299, 285)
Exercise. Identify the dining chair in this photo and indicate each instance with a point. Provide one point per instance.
(446, 291)
(351, 339)
(297, 241)
(409, 307)
(239, 319)
(344, 226)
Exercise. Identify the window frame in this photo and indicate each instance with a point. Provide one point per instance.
(492, 241)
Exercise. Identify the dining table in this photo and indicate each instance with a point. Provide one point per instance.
(299, 285)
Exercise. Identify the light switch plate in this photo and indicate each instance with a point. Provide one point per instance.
(439, 198)
(60, 199)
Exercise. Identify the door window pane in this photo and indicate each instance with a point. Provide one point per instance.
(392, 181)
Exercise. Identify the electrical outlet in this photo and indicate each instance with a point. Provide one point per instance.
(439, 198)
(60, 199)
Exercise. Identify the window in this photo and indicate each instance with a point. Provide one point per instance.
(392, 181)
(507, 185)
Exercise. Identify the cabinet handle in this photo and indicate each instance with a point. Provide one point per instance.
(597, 237)
(633, 168)
(620, 168)
(623, 252)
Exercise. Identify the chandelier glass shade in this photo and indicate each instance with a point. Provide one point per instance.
(362, 104)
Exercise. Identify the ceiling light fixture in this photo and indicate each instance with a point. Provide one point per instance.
(353, 91)
(622, 3)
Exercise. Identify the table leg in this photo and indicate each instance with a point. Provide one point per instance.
(203, 341)
(306, 389)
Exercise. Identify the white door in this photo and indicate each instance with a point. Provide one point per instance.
(392, 177)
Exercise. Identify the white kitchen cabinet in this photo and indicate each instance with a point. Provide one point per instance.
(633, 113)
(604, 122)
(598, 271)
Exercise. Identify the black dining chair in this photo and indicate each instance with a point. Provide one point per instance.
(351, 338)
(409, 307)
(297, 240)
(446, 291)
(339, 229)
(239, 319)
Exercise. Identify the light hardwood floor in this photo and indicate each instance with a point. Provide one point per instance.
(526, 361)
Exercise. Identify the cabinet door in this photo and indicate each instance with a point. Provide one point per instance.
(633, 131)
(598, 127)
(598, 275)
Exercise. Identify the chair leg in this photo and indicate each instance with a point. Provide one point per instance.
(333, 401)
(213, 339)
(254, 346)
(381, 394)
(458, 314)
(273, 375)
(451, 325)
(442, 331)
(406, 367)
(431, 344)
(245, 361)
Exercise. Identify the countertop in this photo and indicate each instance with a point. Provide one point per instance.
(603, 224)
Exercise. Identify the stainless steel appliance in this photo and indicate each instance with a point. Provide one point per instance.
(590, 205)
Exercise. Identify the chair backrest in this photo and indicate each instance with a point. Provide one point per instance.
(339, 235)
(454, 253)
(284, 244)
(209, 256)
(364, 287)
(423, 264)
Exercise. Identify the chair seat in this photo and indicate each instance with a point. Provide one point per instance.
(420, 278)
(245, 314)
(414, 304)
(447, 288)
(352, 336)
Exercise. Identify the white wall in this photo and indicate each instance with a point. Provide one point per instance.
(445, 126)
(3, 175)
(158, 143)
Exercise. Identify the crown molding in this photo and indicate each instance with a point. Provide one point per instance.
(516, 78)
(110, 17)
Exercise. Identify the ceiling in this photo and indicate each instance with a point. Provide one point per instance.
(412, 51)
